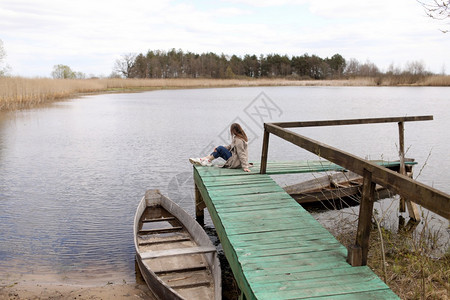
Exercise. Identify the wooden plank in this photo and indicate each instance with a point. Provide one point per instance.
(385, 294)
(199, 207)
(364, 223)
(181, 270)
(353, 121)
(248, 180)
(288, 266)
(324, 287)
(264, 215)
(158, 219)
(292, 219)
(281, 195)
(430, 198)
(249, 208)
(244, 189)
(304, 245)
(277, 236)
(264, 152)
(176, 252)
(287, 249)
(163, 241)
(295, 267)
(232, 230)
(337, 253)
(298, 276)
(191, 285)
(160, 230)
(306, 283)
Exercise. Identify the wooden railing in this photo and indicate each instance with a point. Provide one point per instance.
(430, 198)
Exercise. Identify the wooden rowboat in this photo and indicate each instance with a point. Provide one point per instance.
(174, 254)
(330, 187)
(339, 185)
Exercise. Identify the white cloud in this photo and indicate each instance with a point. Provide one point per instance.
(89, 35)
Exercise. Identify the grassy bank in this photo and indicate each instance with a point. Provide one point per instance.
(409, 266)
(18, 93)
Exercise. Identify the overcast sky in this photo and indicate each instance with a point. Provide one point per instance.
(89, 35)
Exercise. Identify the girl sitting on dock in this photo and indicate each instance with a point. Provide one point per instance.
(235, 154)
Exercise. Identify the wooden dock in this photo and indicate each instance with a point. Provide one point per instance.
(275, 248)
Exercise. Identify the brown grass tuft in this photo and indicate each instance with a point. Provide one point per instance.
(413, 270)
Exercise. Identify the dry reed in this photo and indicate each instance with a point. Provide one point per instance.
(411, 262)
(18, 92)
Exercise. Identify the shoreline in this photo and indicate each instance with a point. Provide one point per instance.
(51, 286)
(36, 290)
(22, 93)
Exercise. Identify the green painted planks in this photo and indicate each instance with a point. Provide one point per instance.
(285, 245)
(320, 287)
(273, 235)
(299, 279)
(275, 248)
(228, 249)
(326, 264)
(385, 294)
(286, 167)
(245, 191)
(263, 279)
(248, 206)
(289, 249)
(311, 257)
(255, 198)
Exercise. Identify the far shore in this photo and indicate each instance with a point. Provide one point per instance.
(19, 93)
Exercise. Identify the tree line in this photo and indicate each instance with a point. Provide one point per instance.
(179, 64)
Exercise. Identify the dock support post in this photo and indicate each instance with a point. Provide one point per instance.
(199, 207)
(265, 151)
(412, 207)
(357, 254)
(401, 151)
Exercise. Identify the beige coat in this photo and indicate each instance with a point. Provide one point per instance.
(239, 154)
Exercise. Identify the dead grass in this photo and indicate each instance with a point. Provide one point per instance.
(438, 80)
(413, 271)
(414, 80)
(18, 92)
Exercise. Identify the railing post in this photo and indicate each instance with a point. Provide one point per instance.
(401, 152)
(357, 254)
(265, 151)
(199, 207)
(412, 207)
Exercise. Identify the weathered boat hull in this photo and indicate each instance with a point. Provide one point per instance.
(340, 185)
(175, 256)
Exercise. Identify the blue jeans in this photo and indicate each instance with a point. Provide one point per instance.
(221, 151)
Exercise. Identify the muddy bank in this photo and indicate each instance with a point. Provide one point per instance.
(28, 290)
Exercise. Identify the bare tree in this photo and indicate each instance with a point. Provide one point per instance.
(437, 9)
(3, 66)
(125, 65)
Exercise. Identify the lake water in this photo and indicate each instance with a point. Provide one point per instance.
(72, 174)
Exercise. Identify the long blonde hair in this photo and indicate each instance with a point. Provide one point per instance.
(237, 130)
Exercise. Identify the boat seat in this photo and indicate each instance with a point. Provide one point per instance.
(175, 252)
